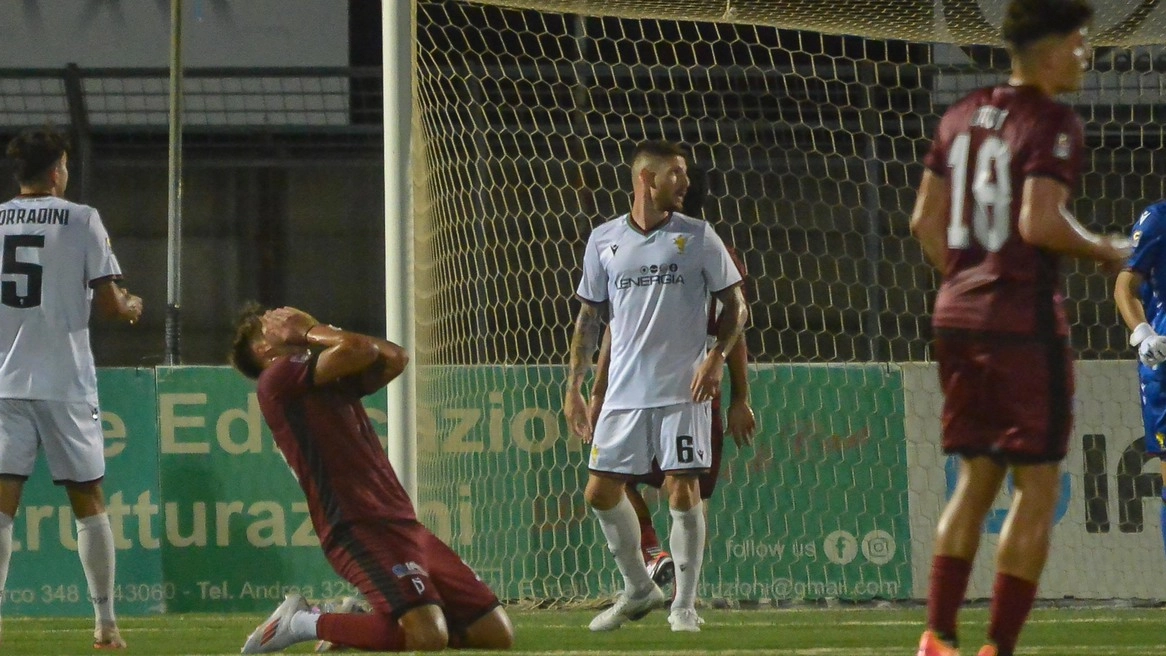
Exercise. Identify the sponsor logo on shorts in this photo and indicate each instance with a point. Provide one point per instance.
(410, 568)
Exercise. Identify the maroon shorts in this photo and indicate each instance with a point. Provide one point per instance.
(399, 566)
(708, 479)
(1007, 397)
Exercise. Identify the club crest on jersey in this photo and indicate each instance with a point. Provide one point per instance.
(614, 248)
(681, 242)
(1061, 149)
(1136, 237)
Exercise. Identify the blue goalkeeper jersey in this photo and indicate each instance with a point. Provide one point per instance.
(1149, 261)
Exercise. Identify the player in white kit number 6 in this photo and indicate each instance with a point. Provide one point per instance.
(650, 273)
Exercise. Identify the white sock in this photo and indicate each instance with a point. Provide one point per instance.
(622, 530)
(95, 548)
(5, 550)
(687, 544)
(303, 625)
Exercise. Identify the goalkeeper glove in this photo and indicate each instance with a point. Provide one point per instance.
(1151, 345)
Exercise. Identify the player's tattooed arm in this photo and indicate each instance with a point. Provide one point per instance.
(599, 384)
(732, 320)
(706, 383)
(588, 328)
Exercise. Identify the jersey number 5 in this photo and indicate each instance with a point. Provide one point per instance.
(10, 264)
(991, 194)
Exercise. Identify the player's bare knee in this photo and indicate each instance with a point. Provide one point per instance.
(426, 637)
(86, 499)
(502, 633)
(683, 491)
(494, 631)
(603, 492)
(425, 629)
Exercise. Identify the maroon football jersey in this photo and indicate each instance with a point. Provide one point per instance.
(987, 144)
(328, 441)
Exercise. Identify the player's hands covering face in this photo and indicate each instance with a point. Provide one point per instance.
(286, 325)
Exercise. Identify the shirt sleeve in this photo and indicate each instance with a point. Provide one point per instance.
(1147, 237)
(593, 286)
(719, 271)
(100, 262)
(1057, 149)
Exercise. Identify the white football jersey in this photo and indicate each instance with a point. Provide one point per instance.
(658, 285)
(50, 249)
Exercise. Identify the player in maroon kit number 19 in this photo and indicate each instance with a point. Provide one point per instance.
(992, 215)
(312, 377)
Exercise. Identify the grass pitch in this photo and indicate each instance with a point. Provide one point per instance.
(818, 632)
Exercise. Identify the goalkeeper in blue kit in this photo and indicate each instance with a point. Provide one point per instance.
(1139, 292)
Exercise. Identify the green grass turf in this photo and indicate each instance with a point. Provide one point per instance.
(824, 632)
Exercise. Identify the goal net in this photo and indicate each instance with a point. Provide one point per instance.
(526, 114)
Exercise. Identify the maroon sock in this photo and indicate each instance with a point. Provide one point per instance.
(649, 541)
(1012, 599)
(367, 631)
(949, 582)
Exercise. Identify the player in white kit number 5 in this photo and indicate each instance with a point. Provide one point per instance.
(651, 273)
(55, 259)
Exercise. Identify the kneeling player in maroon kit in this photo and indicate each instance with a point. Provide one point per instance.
(424, 598)
(993, 216)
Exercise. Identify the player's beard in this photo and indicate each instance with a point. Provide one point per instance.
(670, 202)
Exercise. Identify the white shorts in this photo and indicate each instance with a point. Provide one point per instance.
(677, 436)
(70, 434)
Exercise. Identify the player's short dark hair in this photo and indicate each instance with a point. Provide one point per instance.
(658, 149)
(698, 190)
(35, 152)
(247, 329)
(1029, 21)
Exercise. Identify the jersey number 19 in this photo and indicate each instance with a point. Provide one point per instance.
(991, 194)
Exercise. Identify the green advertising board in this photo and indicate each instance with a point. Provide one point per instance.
(816, 509)
(45, 576)
(237, 533)
(207, 517)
